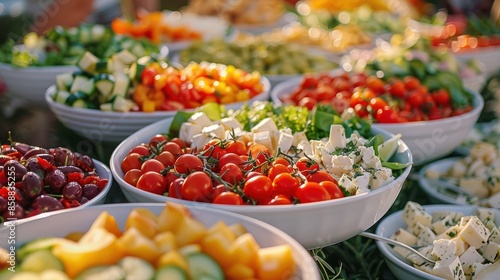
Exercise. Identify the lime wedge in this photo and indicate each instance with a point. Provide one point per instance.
(387, 149)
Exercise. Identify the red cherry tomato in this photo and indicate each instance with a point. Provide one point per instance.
(231, 173)
(131, 161)
(140, 149)
(132, 176)
(277, 169)
(320, 176)
(280, 200)
(188, 163)
(197, 187)
(158, 139)
(173, 148)
(285, 184)
(167, 158)
(152, 182)
(333, 189)
(258, 188)
(307, 166)
(237, 147)
(175, 188)
(228, 198)
(152, 165)
(311, 192)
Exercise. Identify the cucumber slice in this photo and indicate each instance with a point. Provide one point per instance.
(85, 34)
(122, 84)
(135, 70)
(82, 84)
(105, 84)
(137, 269)
(76, 50)
(102, 66)
(38, 244)
(64, 81)
(104, 272)
(126, 57)
(88, 62)
(121, 104)
(138, 50)
(41, 260)
(80, 103)
(61, 96)
(72, 98)
(107, 107)
(202, 266)
(171, 272)
(98, 32)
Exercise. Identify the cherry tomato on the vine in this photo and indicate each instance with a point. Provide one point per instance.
(311, 192)
(197, 187)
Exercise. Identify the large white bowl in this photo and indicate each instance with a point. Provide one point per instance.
(81, 219)
(312, 224)
(428, 140)
(400, 267)
(488, 58)
(30, 83)
(101, 126)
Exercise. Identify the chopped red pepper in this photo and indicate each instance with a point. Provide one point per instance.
(84, 167)
(75, 177)
(92, 179)
(69, 203)
(4, 192)
(3, 178)
(45, 164)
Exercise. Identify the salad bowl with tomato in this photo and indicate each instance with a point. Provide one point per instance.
(433, 120)
(302, 194)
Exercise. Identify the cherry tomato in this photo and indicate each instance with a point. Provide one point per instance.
(285, 184)
(152, 165)
(320, 176)
(333, 189)
(280, 200)
(411, 83)
(197, 187)
(259, 152)
(158, 139)
(397, 88)
(237, 147)
(308, 102)
(282, 161)
(230, 158)
(311, 192)
(277, 169)
(415, 98)
(173, 148)
(218, 189)
(148, 76)
(179, 142)
(175, 188)
(132, 176)
(141, 150)
(152, 182)
(231, 173)
(441, 97)
(214, 148)
(167, 158)
(228, 198)
(386, 115)
(188, 163)
(375, 84)
(258, 188)
(306, 165)
(131, 161)
(377, 103)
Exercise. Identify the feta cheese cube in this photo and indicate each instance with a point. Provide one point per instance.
(494, 200)
(231, 123)
(188, 130)
(401, 251)
(348, 184)
(426, 237)
(474, 186)
(370, 160)
(491, 251)
(461, 245)
(199, 141)
(201, 119)
(451, 232)
(484, 214)
(442, 225)
(449, 269)
(263, 138)
(404, 236)
(426, 267)
(474, 232)
(285, 141)
(266, 124)
(381, 177)
(414, 213)
(337, 136)
(214, 131)
(298, 137)
(326, 157)
(306, 148)
(363, 181)
(494, 235)
(469, 257)
(341, 165)
(444, 249)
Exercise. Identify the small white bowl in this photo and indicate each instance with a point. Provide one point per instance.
(30, 83)
(101, 126)
(428, 140)
(105, 173)
(488, 58)
(312, 224)
(78, 220)
(400, 267)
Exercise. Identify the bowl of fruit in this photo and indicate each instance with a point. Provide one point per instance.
(105, 105)
(39, 59)
(154, 241)
(433, 112)
(270, 163)
(37, 180)
(461, 239)
(277, 61)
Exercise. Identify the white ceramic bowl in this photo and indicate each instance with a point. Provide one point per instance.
(81, 219)
(428, 140)
(312, 224)
(100, 126)
(488, 58)
(400, 267)
(257, 29)
(104, 172)
(30, 83)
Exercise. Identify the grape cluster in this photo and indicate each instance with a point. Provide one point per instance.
(35, 180)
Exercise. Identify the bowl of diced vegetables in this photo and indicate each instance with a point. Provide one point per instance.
(30, 67)
(462, 239)
(153, 241)
(235, 163)
(109, 100)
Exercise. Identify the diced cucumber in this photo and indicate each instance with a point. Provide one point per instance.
(121, 104)
(127, 43)
(80, 103)
(88, 62)
(76, 50)
(104, 84)
(122, 84)
(61, 96)
(105, 272)
(98, 32)
(85, 34)
(62, 43)
(73, 33)
(41, 260)
(125, 56)
(135, 70)
(64, 81)
(137, 269)
(171, 272)
(37, 244)
(138, 50)
(108, 107)
(102, 66)
(72, 98)
(82, 84)
(202, 266)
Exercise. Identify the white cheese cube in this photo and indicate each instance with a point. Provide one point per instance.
(494, 200)
(341, 165)
(188, 130)
(458, 169)
(490, 225)
(461, 245)
(474, 186)
(200, 119)
(444, 249)
(469, 257)
(439, 215)
(199, 141)
(491, 251)
(370, 160)
(404, 236)
(236, 133)
(285, 141)
(348, 184)
(432, 174)
(315, 144)
(474, 232)
(426, 237)
(298, 137)
(263, 138)
(464, 220)
(426, 267)
(266, 124)
(417, 229)
(449, 269)
(214, 131)
(326, 157)
(305, 147)
(363, 181)
(402, 251)
(451, 232)
(381, 177)
(442, 225)
(337, 136)
(495, 235)
(417, 260)
(231, 123)
(414, 213)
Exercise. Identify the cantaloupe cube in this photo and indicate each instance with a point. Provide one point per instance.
(144, 221)
(171, 216)
(275, 263)
(190, 231)
(165, 241)
(137, 245)
(173, 258)
(108, 222)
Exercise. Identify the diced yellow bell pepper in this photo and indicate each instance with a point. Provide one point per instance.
(138, 245)
(238, 272)
(275, 262)
(190, 231)
(217, 246)
(173, 258)
(107, 222)
(244, 250)
(171, 216)
(143, 220)
(165, 241)
(238, 229)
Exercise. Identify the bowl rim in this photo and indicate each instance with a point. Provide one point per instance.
(396, 218)
(56, 106)
(114, 165)
(11, 67)
(305, 261)
(478, 104)
(431, 191)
